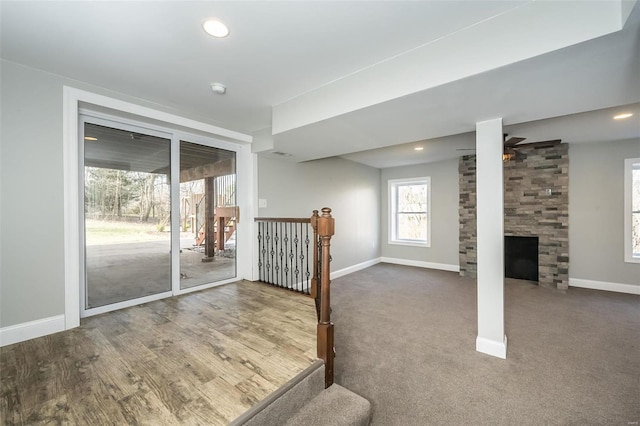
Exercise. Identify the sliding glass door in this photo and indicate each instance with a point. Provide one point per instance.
(127, 214)
(208, 214)
(128, 208)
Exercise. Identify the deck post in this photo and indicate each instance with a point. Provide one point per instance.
(210, 218)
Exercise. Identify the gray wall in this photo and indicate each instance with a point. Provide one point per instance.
(31, 190)
(31, 187)
(444, 213)
(596, 212)
(350, 189)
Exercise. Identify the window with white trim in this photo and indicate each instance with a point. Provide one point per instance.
(409, 211)
(632, 210)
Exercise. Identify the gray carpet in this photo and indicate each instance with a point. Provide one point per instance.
(405, 340)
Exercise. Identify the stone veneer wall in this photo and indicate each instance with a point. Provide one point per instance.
(528, 210)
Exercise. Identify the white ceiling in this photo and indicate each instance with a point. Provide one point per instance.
(280, 53)
(587, 127)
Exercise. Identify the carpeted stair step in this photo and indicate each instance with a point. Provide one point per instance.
(334, 406)
(304, 401)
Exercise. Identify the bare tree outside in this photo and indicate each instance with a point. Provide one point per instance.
(125, 206)
(412, 212)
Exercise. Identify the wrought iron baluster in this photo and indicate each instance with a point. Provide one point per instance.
(296, 241)
(265, 256)
(274, 249)
(285, 256)
(287, 253)
(259, 257)
(263, 252)
(282, 283)
(292, 255)
(283, 266)
(274, 259)
(268, 249)
(306, 244)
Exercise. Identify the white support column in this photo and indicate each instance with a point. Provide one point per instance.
(490, 236)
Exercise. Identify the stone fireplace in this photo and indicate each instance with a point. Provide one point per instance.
(536, 204)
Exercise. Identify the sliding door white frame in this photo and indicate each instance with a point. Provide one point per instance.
(240, 249)
(91, 117)
(126, 112)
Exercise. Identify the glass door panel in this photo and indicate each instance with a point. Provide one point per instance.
(127, 206)
(208, 214)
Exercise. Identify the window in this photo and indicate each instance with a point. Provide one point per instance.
(632, 210)
(409, 202)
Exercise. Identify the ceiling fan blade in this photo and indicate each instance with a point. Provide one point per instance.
(540, 144)
(465, 149)
(513, 141)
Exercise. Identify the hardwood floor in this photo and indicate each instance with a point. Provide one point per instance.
(202, 358)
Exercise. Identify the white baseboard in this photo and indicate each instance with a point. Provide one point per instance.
(421, 264)
(30, 330)
(354, 268)
(492, 347)
(603, 285)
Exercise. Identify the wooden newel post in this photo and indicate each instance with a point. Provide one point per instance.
(314, 277)
(326, 227)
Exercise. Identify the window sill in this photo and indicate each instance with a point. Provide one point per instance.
(632, 259)
(409, 243)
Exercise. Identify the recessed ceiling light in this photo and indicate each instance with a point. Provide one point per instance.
(218, 88)
(215, 28)
(418, 148)
(90, 138)
(622, 116)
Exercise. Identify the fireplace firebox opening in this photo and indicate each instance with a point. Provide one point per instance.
(521, 258)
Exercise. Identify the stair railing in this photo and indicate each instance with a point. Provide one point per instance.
(284, 260)
(284, 247)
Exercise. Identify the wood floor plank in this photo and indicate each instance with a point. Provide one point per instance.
(227, 398)
(131, 349)
(202, 359)
(256, 387)
(95, 409)
(55, 411)
(238, 354)
(166, 386)
(145, 408)
(202, 412)
(36, 377)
